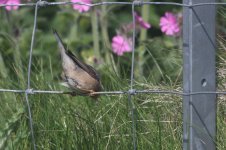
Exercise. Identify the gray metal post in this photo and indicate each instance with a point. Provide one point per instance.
(199, 111)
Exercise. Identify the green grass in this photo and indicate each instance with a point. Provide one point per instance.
(66, 122)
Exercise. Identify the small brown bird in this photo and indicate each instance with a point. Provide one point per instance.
(83, 79)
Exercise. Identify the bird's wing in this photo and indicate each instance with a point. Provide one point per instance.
(87, 68)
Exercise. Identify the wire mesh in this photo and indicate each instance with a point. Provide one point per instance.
(130, 92)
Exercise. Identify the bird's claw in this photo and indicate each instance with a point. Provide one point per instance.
(92, 93)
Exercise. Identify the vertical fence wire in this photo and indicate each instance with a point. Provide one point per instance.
(28, 91)
(30, 121)
(131, 104)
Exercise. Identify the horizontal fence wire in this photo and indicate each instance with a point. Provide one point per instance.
(134, 3)
(132, 92)
(46, 3)
(129, 92)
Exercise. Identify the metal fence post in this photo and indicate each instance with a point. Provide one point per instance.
(199, 111)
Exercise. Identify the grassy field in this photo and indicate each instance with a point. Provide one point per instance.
(66, 122)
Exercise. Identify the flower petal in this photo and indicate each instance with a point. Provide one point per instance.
(81, 8)
(141, 22)
(120, 44)
(169, 24)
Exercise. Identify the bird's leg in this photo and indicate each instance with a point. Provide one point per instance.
(92, 93)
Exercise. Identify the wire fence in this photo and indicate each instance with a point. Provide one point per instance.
(131, 91)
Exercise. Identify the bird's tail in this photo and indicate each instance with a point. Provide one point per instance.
(59, 41)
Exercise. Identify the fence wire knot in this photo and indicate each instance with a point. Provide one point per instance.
(42, 3)
(132, 92)
(29, 91)
(138, 2)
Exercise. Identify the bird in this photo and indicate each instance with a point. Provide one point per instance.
(80, 77)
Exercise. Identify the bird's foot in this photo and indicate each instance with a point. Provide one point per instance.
(92, 93)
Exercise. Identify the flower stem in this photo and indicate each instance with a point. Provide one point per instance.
(145, 15)
(143, 35)
(105, 41)
(74, 30)
(95, 32)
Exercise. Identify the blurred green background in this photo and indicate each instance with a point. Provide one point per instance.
(66, 122)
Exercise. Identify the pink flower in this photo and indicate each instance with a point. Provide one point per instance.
(3, 1)
(9, 8)
(169, 24)
(81, 8)
(121, 44)
(141, 22)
